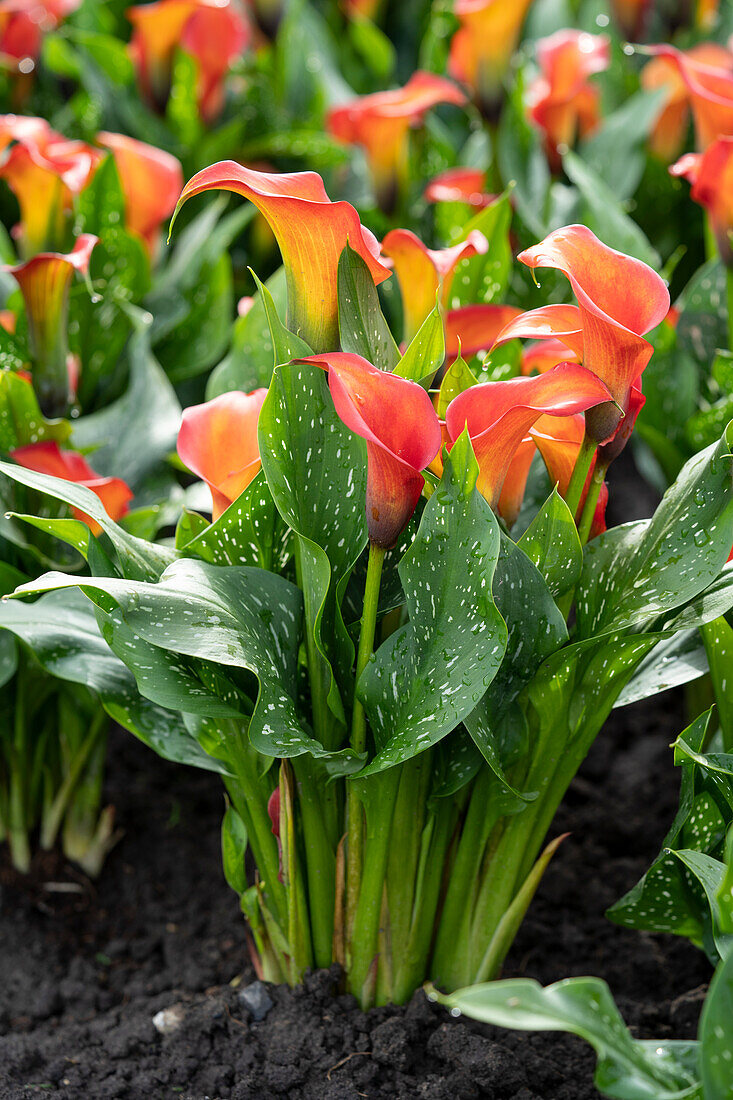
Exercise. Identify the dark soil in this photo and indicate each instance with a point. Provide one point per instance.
(85, 967)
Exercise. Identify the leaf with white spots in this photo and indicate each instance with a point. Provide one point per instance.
(426, 351)
(627, 1069)
(634, 573)
(716, 1038)
(316, 470)
(362, 327)
(551, 542)
(430, 674)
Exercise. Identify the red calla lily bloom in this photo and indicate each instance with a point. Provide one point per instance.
(311, 232)
(467, 185)
(151, 182)
(218, 442)
(619, 299)
(48, 458)
(711, 176)
(380, 124)
(498, 415)
(23, 24)
(473, 329)
(422, 271)
(45, 282)
(213, 32)
(561, 101)
(482, 47)
(709, 86)
(44, 170)
(670, 129)
(546, 354)
(402, 432)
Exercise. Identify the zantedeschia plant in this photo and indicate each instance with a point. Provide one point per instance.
(396, 683)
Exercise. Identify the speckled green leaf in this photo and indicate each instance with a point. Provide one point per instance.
(432, 672)
(137, 557)
(457, 378)
(485, 277)
(316, 470)
(362, 326)
(716, 1034)
(672, 662)
(627, 1068)
(21, 420)
(551, 542)
(286, 345)
(718, 639)
(249, 362)
(634, 573)
(426, 351)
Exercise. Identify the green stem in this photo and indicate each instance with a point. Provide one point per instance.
(580, 474)
(316, 678)
(18, 809)
(52, 819)
(320, 858)
(358, 731)
(729, 298)
(591, 501)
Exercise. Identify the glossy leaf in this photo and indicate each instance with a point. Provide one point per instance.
(362, 327)
(715, 1034)
(674, 661)
(432, 672)
(457, 378)
(234, 849)
(249, 362)
(247, 533)
(551, 542)
(426, 351)
(21, 420)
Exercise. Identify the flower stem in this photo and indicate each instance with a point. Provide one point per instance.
(358, 730)
(591, 501)
(580, 473)
(729, 297)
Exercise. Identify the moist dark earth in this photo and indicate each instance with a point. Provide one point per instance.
(85, 967)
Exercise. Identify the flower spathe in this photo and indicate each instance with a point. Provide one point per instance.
(213, 32)
(559, 439)
(562, 102)
(467, 185)
(23, 24)
(151, 182)
(619, 299)
(380, 124)
(711, 176)
(472, 329)
(45, 282)
(498, 415)
(423, 272)
(217, 441)
(402, 432)
(49, 458)
(709, 86)
(311, 232)
(482, 47)
(670, 128)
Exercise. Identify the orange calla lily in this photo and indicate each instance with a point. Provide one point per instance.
(44, 170)
(515, 482)
(546, 354)
(380, 124)
(711, 176)
(498, 415)
(48, 458)
(473, 329)
(482, 47)
(151, 182)
(213, 32)
(562, 102)
(670, 129)
(399, 446)
(45, 282)
(466, 185)
(619, 300)
(559, 439)
(709, 87)
(422, 272)
(218, 442)
(311, 232)
(23, 24)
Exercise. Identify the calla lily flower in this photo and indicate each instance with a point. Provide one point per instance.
(44, 170)
(482, 47)
(562, 102)
(670, 129)
(218, 443)
(711, 176)
(151, 183)
(559, 439)
(422, 272)
(311, 232)
(619, 300)
(402, 432)
(467, 185)
(546, 354)
(45, 282)
(380, 124)
(498, 416)
(213, 32)
(23, 24)
(48, 458)
(473, 329)
(631, 16)
(709, 86)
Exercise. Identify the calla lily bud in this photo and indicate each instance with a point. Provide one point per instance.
(48, 458)
(218, 443)
(45, 282)
(466, 185)
(402, 432)
(709, 86)
(481, 49)
(711, 176)
(311, 232)
(381, 123)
